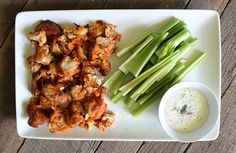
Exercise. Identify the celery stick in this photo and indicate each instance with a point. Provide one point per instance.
(153, 100)
(173, 21)
(139, 61)
(174, 41)
(188, 68)
(117, 97)
(136, 50)
(154, 59)
(129, 101)
(147, 66)
(114, 81)
(177, 28)
(157, 96)
(157, 76)
(177, 68)
(125, 89)
(134, 43)
(160, 85)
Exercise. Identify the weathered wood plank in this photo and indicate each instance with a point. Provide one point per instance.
(55, 146)
(217, 5)
(9, 141)
(64, 5)
(150, 4)
(226, 143)
(8, 10)
(118, 147)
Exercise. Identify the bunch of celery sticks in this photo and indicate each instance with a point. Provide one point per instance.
(156, 64)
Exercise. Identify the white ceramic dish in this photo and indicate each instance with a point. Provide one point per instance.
(203, 24)
(213, 112)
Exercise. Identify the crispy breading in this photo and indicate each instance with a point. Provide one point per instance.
(67, 73)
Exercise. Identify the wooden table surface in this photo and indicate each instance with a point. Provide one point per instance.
(11, 142)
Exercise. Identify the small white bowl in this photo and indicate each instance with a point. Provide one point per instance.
(213, 112)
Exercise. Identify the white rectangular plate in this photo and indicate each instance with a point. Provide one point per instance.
(203, 24)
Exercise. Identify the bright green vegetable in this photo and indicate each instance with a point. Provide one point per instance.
(159, 86)
(133, 44)
(114, 82)
(139, 61)
(129, 101)
(172, 43)
(125, 89)
(173, 73)
(177, 28)
(172, 22)
(153, 100)
(117, 97)
(157, 76)
(188, 68)
(136, 50)
(158, 95)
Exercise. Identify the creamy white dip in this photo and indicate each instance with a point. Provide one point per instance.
(186, 110)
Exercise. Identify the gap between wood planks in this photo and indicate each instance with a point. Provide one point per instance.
(104, 6)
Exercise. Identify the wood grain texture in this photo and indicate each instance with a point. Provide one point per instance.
(11, 142)
(8, 10)
(226, 143)
(217, 5)
(150, 4)
(55, 146)
(9, 139)
(118, 147)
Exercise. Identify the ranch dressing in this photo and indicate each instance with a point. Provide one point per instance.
(186, 110)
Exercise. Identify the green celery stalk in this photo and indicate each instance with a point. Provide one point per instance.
(117, 97)
(129, 101)
(177, 28)
(158, 95)
(136, 65)
(136, 50)
(170, 24)
(153, 100)
(161, 84)
(177, 68)
(147, 66)
(157, 76)
(134, 43)
(125, 89)
(114, 81)
(188, 68)
(172, 43)
(154, 59)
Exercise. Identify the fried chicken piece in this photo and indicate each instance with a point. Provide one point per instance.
(42, 55)
(110, 31)
(58, 121)
(33, 66)
(52, 90)
(51, 28)
(35, 113)
(55, 48)
(78, 92)
(69, 66)
(103, 65)
(107, 120)
(76, 118)
(45, 103)
(92, 80)
(39, 37)
(34, 83)
(80, 54)
(95, 108)
(97, 29)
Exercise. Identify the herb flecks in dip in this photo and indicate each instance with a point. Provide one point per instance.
(186, 110)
